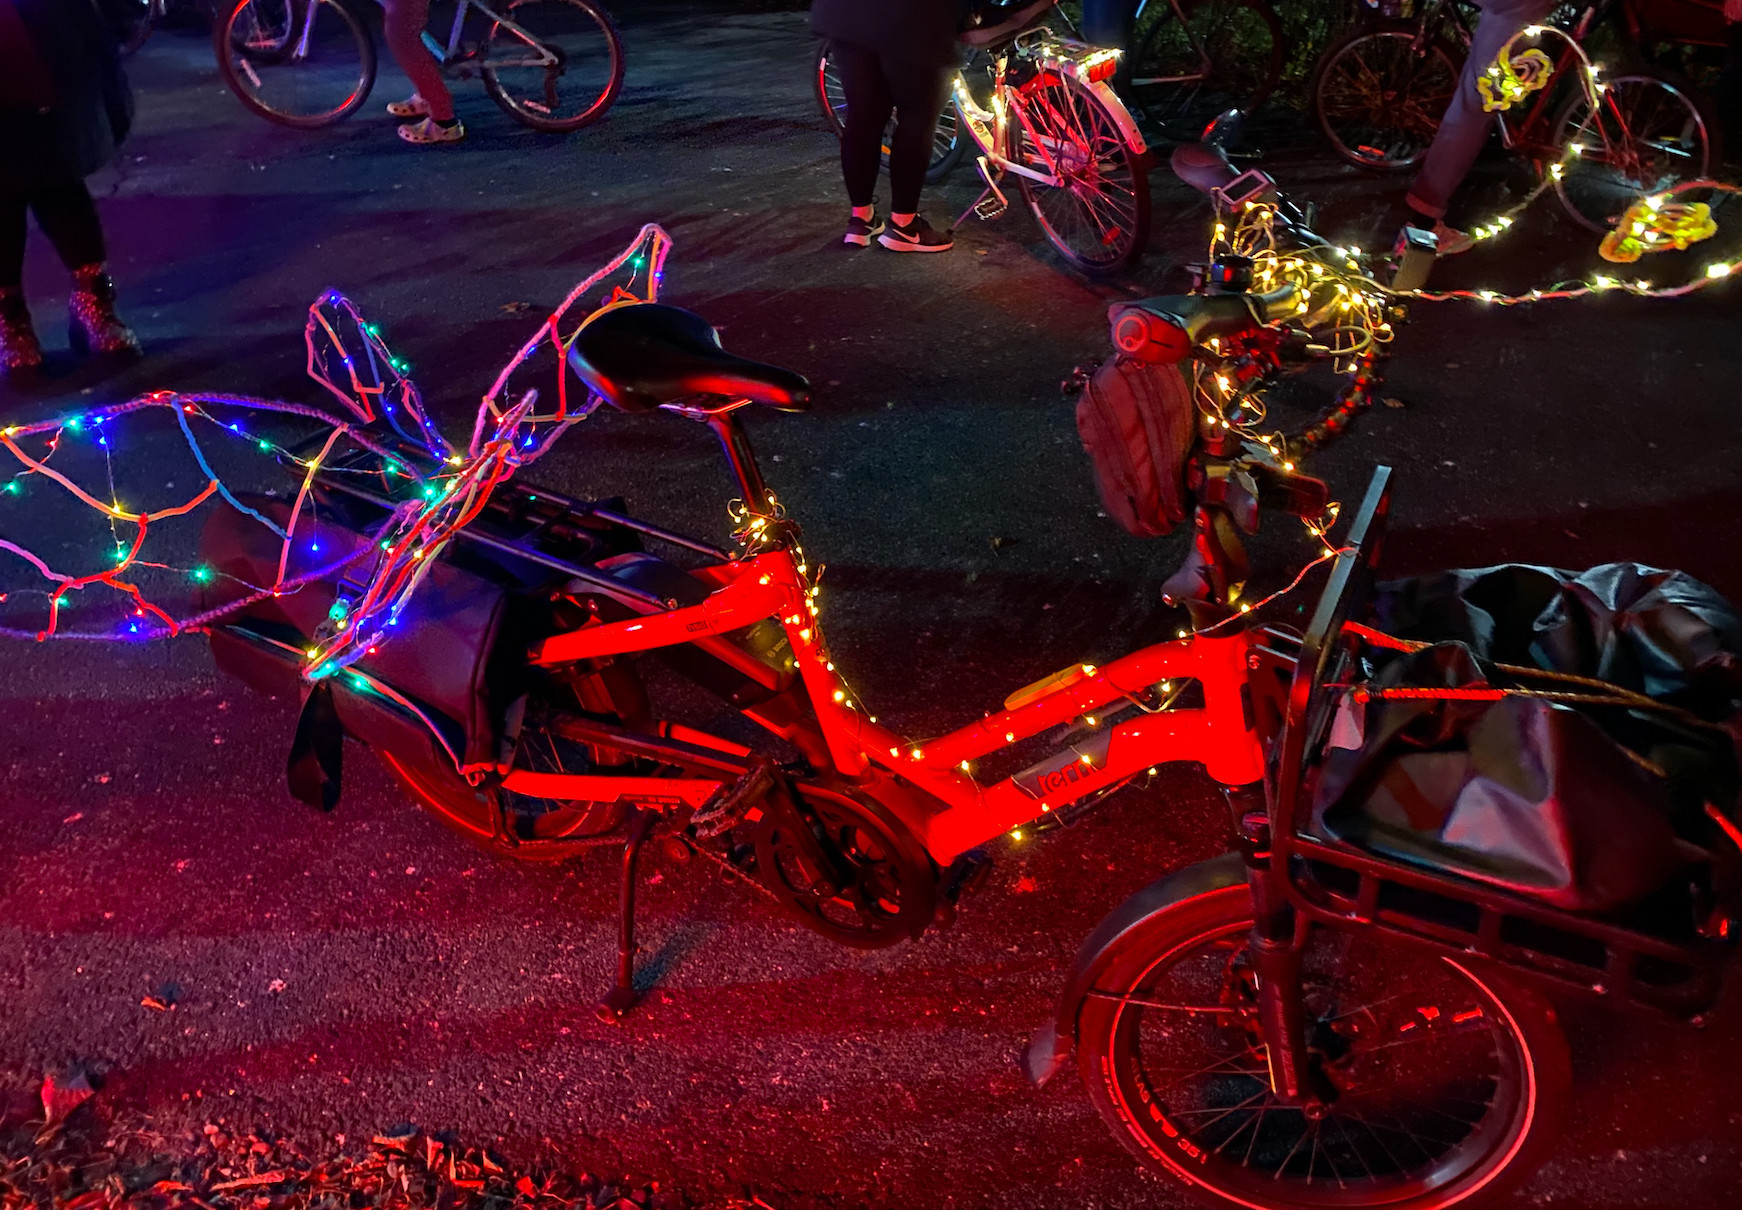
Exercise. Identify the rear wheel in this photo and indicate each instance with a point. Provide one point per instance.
(1447, 1082)
(1226, 54)
(1648, 134)
(1097, 212)
(555, 65)
(949, 140)
(299, 63)
(1379, 96)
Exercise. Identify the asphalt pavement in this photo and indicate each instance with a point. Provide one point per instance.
(346, 974)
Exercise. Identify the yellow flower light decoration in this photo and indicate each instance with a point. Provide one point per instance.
(1511, 78)
(1654, 225)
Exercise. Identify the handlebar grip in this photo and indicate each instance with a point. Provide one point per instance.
(1165, 330)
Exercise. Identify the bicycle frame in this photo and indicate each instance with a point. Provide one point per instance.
(962, 812)
(1204, 64)
(449, 53)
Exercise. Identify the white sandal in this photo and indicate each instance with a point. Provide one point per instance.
(413, 106)
(427, 132)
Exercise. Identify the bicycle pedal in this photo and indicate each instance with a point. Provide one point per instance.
(988, 208)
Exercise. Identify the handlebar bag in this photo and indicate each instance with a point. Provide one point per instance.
(1136, 422)
(1588, 808)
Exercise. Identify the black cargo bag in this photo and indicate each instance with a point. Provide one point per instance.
(434, 691)
(1136, 422)
(1587, 808)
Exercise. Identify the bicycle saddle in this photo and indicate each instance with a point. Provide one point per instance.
(645, 354)
(1018, 21)
(1203, 166)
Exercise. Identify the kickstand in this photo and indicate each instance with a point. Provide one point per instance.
(622, 996)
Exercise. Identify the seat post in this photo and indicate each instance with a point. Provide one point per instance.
(736, 444)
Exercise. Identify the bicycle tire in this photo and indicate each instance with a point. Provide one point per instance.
(236, 61)
(1243, 73)
(1204, 935)
(1595, 199)
(527, 112)
(1387, 42)
(1113, 249)
(948, 142)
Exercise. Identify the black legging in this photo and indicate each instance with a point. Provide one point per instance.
(66, 214)
(875, 85)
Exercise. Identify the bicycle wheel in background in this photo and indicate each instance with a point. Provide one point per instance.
(1379, 98)
(1649, 133)
(1449, 1082)
(567, 76)
(299, 63)
(1177, 93)
(949, 142)
(1097, 216)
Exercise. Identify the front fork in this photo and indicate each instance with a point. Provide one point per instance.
(1275, 946)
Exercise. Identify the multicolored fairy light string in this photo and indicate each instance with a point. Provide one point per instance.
(383, 434)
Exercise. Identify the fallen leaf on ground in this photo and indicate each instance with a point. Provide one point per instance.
(61, 1097)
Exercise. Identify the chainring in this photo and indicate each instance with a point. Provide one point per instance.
(890, 886)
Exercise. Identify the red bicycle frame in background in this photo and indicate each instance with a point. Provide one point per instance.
(1221, 733)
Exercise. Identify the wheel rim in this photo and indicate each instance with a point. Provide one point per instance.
(313, 73)
(1435, 1087)
(1169, 82)
(1095, 214)
(1380, 102)
(568, 74)
(1647, 135)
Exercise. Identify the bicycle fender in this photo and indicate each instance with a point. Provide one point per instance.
(1121, 116)
(1052, 1043)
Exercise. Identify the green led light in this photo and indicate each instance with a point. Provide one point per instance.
(200, 575)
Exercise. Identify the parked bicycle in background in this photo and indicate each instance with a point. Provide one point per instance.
(553, 65)
(1380, 91)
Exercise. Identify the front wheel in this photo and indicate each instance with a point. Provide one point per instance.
(555, 65)
(299, 63)
(1648, 133)
(1379, 94)
(1445, 1082)
(1095, 205)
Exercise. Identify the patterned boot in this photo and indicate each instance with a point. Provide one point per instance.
(20, 352)
(93, 325)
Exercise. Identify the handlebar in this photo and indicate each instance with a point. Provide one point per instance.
(1164, 330)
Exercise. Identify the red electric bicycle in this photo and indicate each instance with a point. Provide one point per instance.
(1309, 1022)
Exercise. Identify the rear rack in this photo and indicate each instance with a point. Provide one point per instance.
(529, 523)
(1342, 885)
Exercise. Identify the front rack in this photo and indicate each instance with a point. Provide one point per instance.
(1342, 885)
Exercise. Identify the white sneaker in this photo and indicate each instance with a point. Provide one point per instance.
(413, 106)
(427, 131)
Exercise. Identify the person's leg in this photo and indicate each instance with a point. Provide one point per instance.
(402, 26)
(13, 212)
(68, 216)
(1727, 97)
(20, 352)
(1109, 22)
(920, 91)
(1464, 128)
(869, 105)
